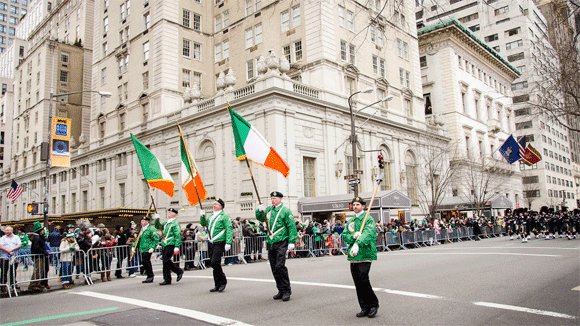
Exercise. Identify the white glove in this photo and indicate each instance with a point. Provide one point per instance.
(151, 250)
(227, 247)
(354, 250)
(175, 250)
(291, 246)
(155, 216)
(261, 208)
(356, 235)
(202, 212)
(158, 247)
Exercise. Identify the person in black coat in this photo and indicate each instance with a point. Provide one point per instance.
(40, 254)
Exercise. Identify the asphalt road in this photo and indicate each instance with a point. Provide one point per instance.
(489, 282)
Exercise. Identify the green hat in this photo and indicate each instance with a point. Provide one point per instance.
(133, 223)
(359, 200)
(37, 227)
(70, 235)
(101, 225)
(276, 194)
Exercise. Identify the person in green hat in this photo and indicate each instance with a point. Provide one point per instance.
(146, 242)
(281, 237)
(171, 240)
(220, 240)
(40, 255)
(361, 252)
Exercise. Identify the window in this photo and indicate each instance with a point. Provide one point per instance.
(249, 38)
(105, 48)
(226, 49)
(218, 52)
(249, 69)
(343, 50)
(402, 76)
(126, 90)
(186, 48)
(408, 79)
(285, 21)
(474, 28)
(341, 17)
(226, 18)
(423, 61)
(501, 10)
(217, 23)
(350, 20)
(352, 50)
(63, 76)
(105, 25)
(146, 80)
(520, 85)
(146, 51)
(309, 165)
(298, 50)
(514, 44)
(287, 54)
(469, 18)
(185, 76)
(187, 18)
(295, 16)
(513, 31)
(147, 20)
(103, 76)
(375, 64)
(122, 126)
(408, 108)
(197, 51)
(102, 129)
(515, 57)
(248, 7)
(521, 98)
(258, 33)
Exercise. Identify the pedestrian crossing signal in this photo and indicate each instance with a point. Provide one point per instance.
(32, 208)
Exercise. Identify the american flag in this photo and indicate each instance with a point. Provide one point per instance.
(15, 191)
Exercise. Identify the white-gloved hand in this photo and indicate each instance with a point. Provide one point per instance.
(354, 250)
(202, 212)
(155, 216)
(158, 247)
(291, 246)
(227, 247)
(151, 250)
(261, 208)
(356, 235)
(175, 250)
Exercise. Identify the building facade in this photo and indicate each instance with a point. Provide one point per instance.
(11, 11)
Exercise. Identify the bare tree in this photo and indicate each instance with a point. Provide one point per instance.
(531, 188)
(435, 170)
(481, 179)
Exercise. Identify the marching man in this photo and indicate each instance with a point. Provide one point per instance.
(362, 251)
(281, 238)
(147, 241)
(171, 231)
(220, 241)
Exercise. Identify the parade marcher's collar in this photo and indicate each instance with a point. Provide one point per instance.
(359, 213)
(281, 204)
(145, 227)
(169, 220)
(216, 213)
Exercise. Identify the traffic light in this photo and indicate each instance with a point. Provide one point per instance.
(32, 208)
(381, 162)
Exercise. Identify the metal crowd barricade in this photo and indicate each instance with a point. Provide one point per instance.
(302, 247)
(320, 245)
(107, 259)
(380, 240)
(254, 248)
(392, 239)
(419, 238)
(429, 237)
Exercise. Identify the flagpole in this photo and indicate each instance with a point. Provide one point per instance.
(258, 195)
(189, 162)
(139, 237)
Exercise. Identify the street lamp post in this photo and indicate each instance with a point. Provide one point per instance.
(47, 187)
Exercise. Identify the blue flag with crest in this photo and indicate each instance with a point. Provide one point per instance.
(510, 150)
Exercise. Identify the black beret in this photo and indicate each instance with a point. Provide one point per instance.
(359, 200)
(276, 194)
(221, 202)
(173, 210)
(146, 218)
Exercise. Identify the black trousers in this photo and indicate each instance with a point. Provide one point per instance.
(216, 251)
(146, 260)
(364, 291)
(277, 257)
(168, 265)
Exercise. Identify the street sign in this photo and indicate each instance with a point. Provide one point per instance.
(354, 182)
(348, 177)
(359, 172)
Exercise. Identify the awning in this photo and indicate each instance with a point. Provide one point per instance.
(339, 203)
(460, 204)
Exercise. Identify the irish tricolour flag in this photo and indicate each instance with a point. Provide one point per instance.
(190, 178)
(153, 171)
(252, 145)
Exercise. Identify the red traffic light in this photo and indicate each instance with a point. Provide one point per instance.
(380, 157)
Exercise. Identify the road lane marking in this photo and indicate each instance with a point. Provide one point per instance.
(404, 293)
(523, 309)
(473, 253)
(576, 288)
(37, 320)
(526, 247)
(198, 315)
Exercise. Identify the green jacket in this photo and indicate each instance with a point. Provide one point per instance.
(171, 233)
(149, 239)
(220, 227)
(367, 242)
(23, 239)
(281, 223)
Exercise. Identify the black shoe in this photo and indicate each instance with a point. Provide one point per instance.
(362, 313)
(222, 288)
(165, 283)
(214, 289)
(286, 296)
(119, 276)
(278, 296)
(179, 276)
(373, 312)
(148, 280)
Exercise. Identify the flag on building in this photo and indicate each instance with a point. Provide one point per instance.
(523, 141)
(190, 178)
(251, 145)
(510, 150)
(153, 171)
(531, 155)
(15, 191)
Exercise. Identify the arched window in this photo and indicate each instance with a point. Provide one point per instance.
(388, 159)
(205, 161)
(411, 176)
